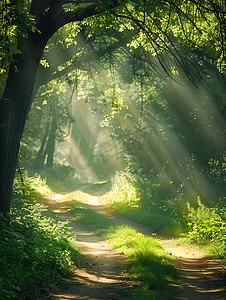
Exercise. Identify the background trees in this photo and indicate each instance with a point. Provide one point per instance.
(154, 27)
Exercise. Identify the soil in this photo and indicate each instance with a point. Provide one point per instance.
(100, 275)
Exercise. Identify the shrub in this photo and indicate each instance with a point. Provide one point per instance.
(124, 193)
(35, 250)
(30, 187)
(207, 226)
(156, 194)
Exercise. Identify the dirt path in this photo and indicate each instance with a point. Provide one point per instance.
(100, 273)
(203, 277)
(100, 276)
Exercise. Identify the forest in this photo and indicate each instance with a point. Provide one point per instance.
(122, 102)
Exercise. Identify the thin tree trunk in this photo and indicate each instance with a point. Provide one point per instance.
(21, 178)
(51, 144)
(39, 161)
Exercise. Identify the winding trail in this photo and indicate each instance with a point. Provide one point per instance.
(100, 272)
(100, 275)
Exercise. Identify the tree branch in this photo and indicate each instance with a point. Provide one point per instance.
(80, 63)
(57, 17)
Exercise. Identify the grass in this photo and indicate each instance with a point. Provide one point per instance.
(149, 264)
(157, 220)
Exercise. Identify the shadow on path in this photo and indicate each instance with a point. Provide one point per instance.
(101, 277)
(203, 279)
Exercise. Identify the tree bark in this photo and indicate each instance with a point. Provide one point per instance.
(14, 107)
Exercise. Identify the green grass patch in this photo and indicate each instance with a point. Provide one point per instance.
(149, 264)
(157, 220)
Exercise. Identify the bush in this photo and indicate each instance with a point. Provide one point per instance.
(156, 194)
(124, 193)
(207, 226)
(61, 178)
(30, 187)
(144, 200)
(35, 250)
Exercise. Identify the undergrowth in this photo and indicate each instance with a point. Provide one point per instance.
(174, 212)
(36, 250)
(128, 194)
(30, 187)
(61, 178)
(140, 199)
(207, 226)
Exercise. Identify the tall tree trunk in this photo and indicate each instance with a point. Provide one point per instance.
(14, 107)
(39, 161)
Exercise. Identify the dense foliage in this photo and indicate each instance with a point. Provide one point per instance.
(189, 215)
(207, 226)
(85, 32)
(36, 250)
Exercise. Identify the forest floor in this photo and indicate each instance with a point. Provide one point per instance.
(100, 275)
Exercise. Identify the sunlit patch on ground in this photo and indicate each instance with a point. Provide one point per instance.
(100, 273)
(101, 276)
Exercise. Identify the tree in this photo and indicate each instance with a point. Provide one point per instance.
(17, 96)
(173, 127)
(65, 69)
